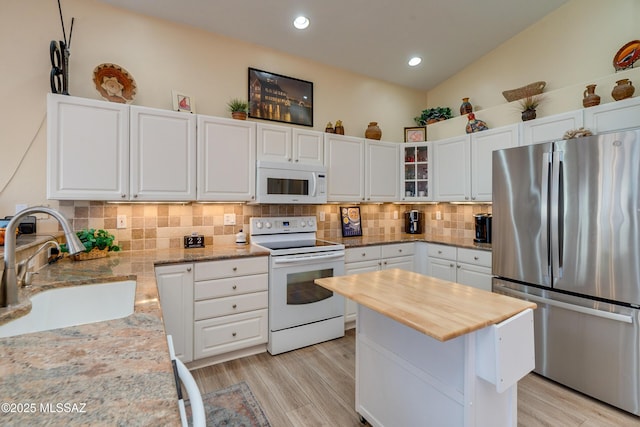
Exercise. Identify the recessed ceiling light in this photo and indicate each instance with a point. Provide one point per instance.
(301, 22)
(415, 61)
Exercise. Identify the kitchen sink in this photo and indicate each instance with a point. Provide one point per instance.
(74, 305)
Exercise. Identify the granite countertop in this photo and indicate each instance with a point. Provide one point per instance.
(107, 373)
(440, 309)
(468, 243)
(98, 370)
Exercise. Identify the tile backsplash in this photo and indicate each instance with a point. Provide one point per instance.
(151, 226)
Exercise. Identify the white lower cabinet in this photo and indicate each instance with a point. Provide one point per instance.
(230, 307)
(175, 287)
(215, 310)
(471, 267)
(373, 258)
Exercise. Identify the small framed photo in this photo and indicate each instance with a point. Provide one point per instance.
(415, 134)
(351, 221)
(183, 102)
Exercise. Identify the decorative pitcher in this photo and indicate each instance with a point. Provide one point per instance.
(589, 97)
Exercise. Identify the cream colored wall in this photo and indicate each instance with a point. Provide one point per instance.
(569, 48)
(161, 56)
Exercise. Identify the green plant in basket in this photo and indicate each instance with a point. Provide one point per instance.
(95, 239)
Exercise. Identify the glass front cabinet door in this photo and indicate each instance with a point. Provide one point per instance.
(416, 179)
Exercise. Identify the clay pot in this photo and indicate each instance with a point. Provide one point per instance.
(466, 107)
(623, 89)
(528, 115)
(339, 130)
(589, 97)
(373, 131)
(239, 115)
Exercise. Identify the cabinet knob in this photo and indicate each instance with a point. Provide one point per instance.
(476, 258)
(233, 334)
(385, 262)
(235, 268)
(458, 266)
(466, 197)
(234, 306)
(188, 268)
(364, 254)
(400, 250)
(439, 252)
(289, 159)
(451, 265)
(234, 287)
(123, 196)
(135, 196)
(297, 160)
(473, 198)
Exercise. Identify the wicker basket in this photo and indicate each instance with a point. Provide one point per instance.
(524, 91)
(92, 254)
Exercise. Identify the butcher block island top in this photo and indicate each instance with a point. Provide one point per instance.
(440, 309)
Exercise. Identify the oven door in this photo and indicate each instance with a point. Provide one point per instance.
(294, 298)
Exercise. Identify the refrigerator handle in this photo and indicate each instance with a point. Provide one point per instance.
(544, 216)
(556, 220)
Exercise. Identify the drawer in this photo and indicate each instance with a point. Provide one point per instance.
(475, 257)
(229, 333)
(441, 251)
(229, 305)
(230, 268)
(230, 286)
(397, 249)
(364, 253)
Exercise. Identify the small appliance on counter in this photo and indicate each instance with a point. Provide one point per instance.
(483, 228)
(413, 220)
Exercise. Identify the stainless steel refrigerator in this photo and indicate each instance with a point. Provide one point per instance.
(566, 235)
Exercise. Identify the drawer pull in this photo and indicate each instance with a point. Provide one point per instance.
(459, 265)
(439, 252)
(364, 254)
(476, 258)
(234, 306)
(188, 268)
(400, 250)
(234, 287)
(233, 334)
(235, 268)
(450, 265)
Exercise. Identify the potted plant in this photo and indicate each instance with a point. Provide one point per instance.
(432, 115)
(528, 106)
(238, 108)
(96, 242)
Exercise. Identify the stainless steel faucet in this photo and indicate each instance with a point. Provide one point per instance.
(9, 283)
(23, 274)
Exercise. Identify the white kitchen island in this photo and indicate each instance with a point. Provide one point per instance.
(435, 353)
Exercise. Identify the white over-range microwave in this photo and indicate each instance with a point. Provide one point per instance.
(289, 183)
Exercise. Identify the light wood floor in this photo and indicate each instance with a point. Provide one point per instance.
(314, 386)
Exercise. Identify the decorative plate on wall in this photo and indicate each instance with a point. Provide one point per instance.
(627, 55)
(114, 83)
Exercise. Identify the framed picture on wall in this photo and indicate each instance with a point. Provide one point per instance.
(280, 98)
(351, 221)
(415, 134)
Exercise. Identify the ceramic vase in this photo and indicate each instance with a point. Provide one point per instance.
(589, 97)
(466, 107)
(623, 89)
(373, 131)
(339, 130)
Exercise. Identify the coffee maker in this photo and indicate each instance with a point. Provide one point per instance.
(483, 228)
(413, 220)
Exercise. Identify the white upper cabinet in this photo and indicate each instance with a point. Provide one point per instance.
(452, 169)
(284, 144)
(382, 171)
(344, 157)
(551, 128)
(162, 148)
(483, 144)
(101, 150)
(87, 149)
(308, 147)
(226, 159)
(613, 116)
